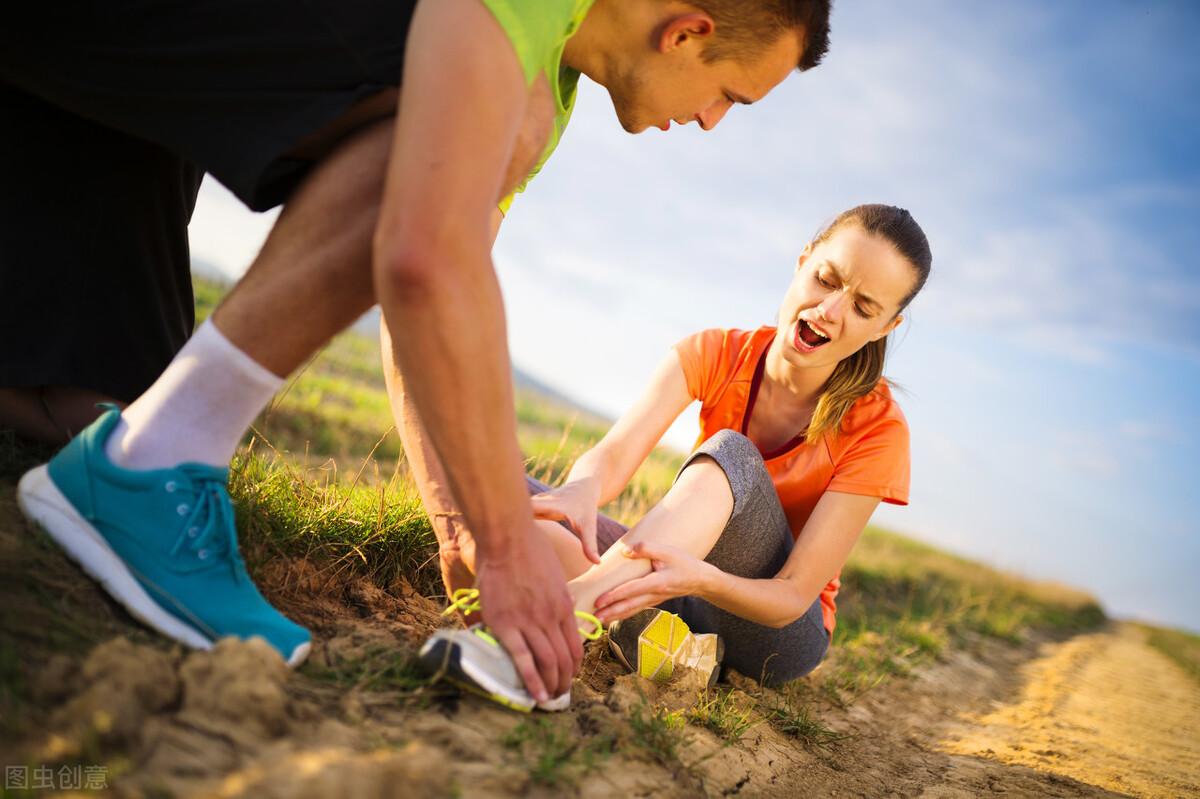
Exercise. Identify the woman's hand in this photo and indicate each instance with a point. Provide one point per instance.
(576, 504)
(675, 573)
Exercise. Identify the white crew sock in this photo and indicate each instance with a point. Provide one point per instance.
(198, 409)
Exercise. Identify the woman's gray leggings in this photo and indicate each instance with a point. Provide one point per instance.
(755, 543)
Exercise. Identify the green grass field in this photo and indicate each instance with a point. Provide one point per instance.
(323, 479)
(1180, 646)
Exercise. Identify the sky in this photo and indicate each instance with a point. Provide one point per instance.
(1050, 371)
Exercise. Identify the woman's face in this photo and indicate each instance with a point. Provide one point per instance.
(846, 292)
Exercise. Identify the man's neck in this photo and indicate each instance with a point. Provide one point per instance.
(595, 46)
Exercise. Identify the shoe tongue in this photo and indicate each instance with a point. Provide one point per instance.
(205, 472)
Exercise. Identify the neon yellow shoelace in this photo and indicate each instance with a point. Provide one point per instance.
(467, 601)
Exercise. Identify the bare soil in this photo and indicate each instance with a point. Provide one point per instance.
(1098, 715)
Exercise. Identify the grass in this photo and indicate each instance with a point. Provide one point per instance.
(18, 456)
(658, 732)
(902, 603)
(1180, 646)
(722, 714)
(376, 528)
(14, 692)
(379, 669)
(552, 756)
(793, 717)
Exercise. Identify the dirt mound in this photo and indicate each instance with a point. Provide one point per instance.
(116, 689)
(414, 771)
(323, 599)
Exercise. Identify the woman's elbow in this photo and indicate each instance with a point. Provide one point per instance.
(784, 621)
(793, 606)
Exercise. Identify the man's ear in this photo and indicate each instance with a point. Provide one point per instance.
(807, 251)
(889, 327)
(679, 30)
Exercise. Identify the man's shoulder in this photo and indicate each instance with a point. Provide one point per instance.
(537, 28)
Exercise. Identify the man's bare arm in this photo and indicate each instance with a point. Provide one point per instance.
(462, 106)
(456, 547)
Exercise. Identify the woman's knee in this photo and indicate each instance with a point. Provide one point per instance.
(740, 461)
(756, 539)
(730, 444)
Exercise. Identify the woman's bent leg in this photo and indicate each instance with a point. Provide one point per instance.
(755, 543)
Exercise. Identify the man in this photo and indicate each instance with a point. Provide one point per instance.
(298, 104)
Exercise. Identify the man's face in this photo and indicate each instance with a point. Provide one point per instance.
(674, 84)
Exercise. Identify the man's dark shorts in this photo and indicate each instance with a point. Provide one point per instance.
(112, 111)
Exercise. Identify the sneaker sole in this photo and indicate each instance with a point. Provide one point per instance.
(658, 643)
(439, 656)
(42, 502)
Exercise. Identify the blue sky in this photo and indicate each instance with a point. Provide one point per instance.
(1051, 368)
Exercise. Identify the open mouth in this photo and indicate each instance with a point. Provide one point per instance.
(807, 338)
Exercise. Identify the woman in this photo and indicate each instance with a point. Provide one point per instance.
(800, 440)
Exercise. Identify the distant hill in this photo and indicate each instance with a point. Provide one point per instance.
(523, 380)
(369, 324)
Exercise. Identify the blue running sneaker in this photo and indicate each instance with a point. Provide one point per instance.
(163, 543)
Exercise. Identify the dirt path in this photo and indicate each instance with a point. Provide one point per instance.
(1105, 709)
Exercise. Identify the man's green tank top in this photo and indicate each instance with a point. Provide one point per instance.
(538, 30)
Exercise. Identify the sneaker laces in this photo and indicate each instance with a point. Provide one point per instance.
(467, 601)
(210, 527)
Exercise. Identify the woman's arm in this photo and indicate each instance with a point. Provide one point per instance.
(612, 462)
(821, 549)
(600, 474)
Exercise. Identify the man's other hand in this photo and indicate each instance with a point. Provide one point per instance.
(527, 608)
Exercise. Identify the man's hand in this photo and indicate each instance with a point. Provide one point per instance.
(525, 602)
(576, 504)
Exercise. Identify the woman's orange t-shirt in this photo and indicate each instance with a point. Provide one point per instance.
(868, 456)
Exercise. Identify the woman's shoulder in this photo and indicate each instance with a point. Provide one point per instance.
(725, 344)
(879, 407)
(871, 452)
(724, 338)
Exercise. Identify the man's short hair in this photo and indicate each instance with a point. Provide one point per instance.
(745, 26)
